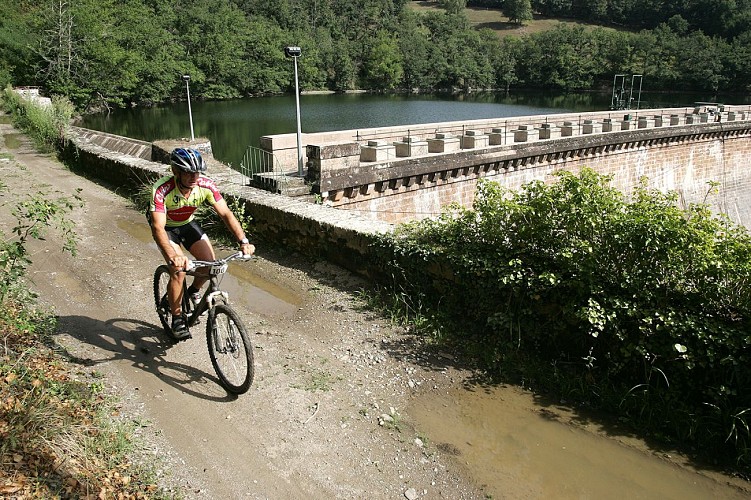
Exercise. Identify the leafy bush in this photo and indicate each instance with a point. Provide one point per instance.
(634, 306)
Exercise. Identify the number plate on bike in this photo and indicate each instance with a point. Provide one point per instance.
(219, 270)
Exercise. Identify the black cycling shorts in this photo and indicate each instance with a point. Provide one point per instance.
(184, 235)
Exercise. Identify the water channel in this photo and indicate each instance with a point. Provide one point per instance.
(513, 444)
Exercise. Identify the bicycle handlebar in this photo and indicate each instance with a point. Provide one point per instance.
(193, 264)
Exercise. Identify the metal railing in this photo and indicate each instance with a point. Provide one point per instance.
(262, 168)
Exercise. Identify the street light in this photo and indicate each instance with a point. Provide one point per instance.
(294, 53)
(190, 112)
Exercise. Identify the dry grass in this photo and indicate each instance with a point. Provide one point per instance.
(493, 19)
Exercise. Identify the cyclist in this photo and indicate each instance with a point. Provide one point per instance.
(174, 199)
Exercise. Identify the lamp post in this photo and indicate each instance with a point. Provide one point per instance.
(190, 112)
(294, 53)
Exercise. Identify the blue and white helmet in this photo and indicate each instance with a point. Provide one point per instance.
(187, 160)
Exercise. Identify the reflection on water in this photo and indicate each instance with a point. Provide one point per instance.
(517, 449)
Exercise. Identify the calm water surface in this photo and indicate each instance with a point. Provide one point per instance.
(234, 125)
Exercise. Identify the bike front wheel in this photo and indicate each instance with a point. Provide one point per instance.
(161, 280)
(230, 349)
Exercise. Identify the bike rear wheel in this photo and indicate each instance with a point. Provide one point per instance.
(161, 280)
(229, 349)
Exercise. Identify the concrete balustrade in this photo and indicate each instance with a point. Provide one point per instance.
(338, 156)
(502, 131)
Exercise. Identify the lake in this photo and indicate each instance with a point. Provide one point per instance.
(233, 125)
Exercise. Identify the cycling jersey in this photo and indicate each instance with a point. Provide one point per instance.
(166, 198)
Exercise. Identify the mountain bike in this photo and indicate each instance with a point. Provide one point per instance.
(229, 346)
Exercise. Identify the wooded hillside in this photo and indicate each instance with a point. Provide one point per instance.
(114, 53)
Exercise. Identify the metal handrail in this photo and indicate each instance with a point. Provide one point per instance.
(257, 161)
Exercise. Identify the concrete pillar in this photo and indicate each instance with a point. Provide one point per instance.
(590, 127)
(675, 120)
(411, 146)
(658, 120)
(497, 137)
(644, 122)
(443, 143)
(549, 131)
(703, 117)
(474, 139)
(689, 119)
(322, 159)
(377, 151)
(567, 130)
(731, 116)
(607, 125)
(625, 124)
(524, 133)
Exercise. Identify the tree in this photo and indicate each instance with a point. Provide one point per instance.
(518, 11)
(453, 6)
(383, 66)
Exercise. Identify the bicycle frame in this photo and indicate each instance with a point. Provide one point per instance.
(213, 294)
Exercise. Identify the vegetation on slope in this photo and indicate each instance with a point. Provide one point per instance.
(635, 307)
(59, 435)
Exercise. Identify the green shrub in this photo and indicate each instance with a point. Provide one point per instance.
(634, 306)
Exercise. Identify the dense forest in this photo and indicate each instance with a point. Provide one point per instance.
(104, 53)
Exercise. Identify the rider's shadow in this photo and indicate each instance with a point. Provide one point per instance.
(140, 344)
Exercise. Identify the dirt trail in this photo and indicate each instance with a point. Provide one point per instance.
(325, 373)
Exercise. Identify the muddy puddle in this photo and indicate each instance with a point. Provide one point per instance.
(246, 288)
(12, 141)
(518, 449)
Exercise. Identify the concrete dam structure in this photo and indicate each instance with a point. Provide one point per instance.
(396, 174)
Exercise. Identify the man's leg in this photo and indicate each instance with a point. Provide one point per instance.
(175, 286)
(201, 250)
